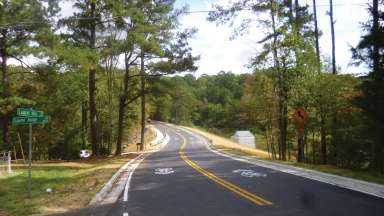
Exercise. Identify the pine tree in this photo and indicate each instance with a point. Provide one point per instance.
(370, 51)
(22, 22)
(288, 45)
(80, 47)
(150, 34)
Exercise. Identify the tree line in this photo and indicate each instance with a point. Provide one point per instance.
(345, 122)
(79, 80)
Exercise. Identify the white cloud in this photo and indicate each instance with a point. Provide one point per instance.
(219, 53)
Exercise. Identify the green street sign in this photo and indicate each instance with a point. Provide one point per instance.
(23, 111)
(20, 120)
(29, 112)
(45, 119)
(30, 120)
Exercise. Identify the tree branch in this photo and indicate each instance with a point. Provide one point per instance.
(22, 63)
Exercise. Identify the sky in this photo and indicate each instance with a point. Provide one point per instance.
(219, 53)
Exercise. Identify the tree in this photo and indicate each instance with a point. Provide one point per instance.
(286, 46)
(369, 51)
(22, 24)
(80, 37)
(153, 44)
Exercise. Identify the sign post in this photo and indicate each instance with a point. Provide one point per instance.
(28, 116)
(301, 116)
(30, 161)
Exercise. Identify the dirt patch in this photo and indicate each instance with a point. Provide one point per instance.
(135, 138)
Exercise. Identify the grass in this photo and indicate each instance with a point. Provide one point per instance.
(228, 146)
(356, 174)
(73, 183)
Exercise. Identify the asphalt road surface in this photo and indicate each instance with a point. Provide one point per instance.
(185, 178)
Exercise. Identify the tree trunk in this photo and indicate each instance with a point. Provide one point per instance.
(300, 149)
(92, 87)
(378, 76)
(84, 119)
(284, 124)
(142, 78)
(297, 34)
(323, 140)
(316, 36)
(122, 107)
(282, 139)
(376, 30)
(334, 71)
(313, 148)
(110, 79)
(5, 84)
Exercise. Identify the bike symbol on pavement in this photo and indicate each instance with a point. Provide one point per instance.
(249, 173)
(164, 171)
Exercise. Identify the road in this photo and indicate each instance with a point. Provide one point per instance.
(185, 178)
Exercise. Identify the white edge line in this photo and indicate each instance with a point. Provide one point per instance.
(102, 193)
(128, 183)
(133, 168)
(246, 160)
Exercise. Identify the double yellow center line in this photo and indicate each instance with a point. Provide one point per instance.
(238, 190)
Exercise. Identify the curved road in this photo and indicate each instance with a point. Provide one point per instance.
(185, 178)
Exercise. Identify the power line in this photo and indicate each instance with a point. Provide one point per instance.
(24, 24)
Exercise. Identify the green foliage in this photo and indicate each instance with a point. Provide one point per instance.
(370, 51)
(226, 102)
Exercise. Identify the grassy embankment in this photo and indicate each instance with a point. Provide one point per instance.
(74, 184)
(224, 144)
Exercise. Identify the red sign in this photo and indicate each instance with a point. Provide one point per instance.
(300, 115)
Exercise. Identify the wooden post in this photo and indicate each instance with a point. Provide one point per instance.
(21, 147)
(14, 152)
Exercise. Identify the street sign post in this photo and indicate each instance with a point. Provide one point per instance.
(28, 116)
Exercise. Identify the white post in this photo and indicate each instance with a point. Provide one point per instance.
(9, 162)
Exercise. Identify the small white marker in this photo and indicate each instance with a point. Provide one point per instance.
(125, 214)
(164, 171)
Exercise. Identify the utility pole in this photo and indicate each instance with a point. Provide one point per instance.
(92, 85)
(142, 78)
(334, 70)
(316, 36)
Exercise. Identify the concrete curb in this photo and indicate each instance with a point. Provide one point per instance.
(118, 179)
(99, 197)
(339, 181)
